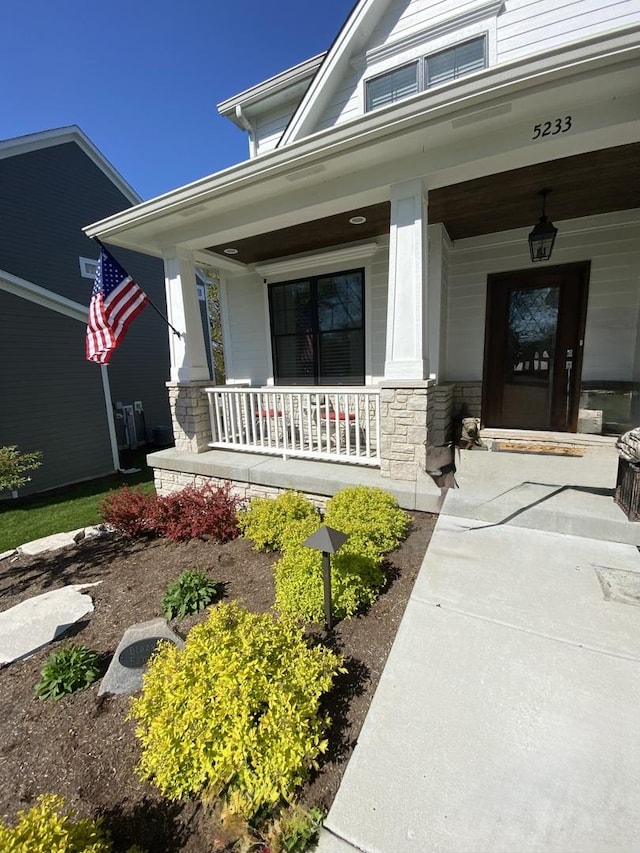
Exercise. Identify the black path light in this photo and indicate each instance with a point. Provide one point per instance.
(543, 236)
(327, 540)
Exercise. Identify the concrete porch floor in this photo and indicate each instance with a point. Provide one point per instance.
(305, 475)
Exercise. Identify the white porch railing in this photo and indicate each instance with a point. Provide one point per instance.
(324, 423)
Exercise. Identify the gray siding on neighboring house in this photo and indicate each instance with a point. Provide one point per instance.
(46, 197)
(60, 409)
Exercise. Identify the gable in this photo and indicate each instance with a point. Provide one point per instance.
(383, 37)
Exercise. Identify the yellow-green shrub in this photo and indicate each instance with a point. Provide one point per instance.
(234, 715)
(371, 518)
(45, 828)
(266, 519)
(356, 580)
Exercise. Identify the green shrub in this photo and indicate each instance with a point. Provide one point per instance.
(265, 521)
(356, 580)
(46, 829)
(67, 671)
(191, 593)
(14, 466)
(293, 830)
(234, 715)
(370, 517)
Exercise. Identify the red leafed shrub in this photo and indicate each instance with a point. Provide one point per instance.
(205, 511)
(130, 511)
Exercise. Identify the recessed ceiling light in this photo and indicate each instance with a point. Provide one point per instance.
(358, 220)
(230, 251)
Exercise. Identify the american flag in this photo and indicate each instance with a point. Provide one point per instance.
(116, 300)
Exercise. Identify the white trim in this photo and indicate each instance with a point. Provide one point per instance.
(41, 296)
(108, 405)
(418, 39)
(368, 314)
(59, 136)
(88, 267)
(362, 19)
(271, 86)
(335, 258)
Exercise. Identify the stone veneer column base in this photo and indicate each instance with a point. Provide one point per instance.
(469, 394)
(406, 416)
(190, 415)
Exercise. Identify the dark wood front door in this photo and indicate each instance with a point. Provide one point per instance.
(533, 348)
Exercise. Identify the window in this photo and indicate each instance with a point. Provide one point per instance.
(455, 62)
(437, 68)
(317, 330)
(88, 267)
(392, 86)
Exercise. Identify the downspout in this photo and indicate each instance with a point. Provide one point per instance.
(244, 121)
(110, 419)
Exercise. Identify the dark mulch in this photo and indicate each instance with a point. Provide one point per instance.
(84, 748)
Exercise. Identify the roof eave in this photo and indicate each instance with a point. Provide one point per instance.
(273, 86)
(499, 81)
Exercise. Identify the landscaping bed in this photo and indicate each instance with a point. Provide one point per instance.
(83, 747)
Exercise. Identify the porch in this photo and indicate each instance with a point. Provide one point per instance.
(260, 475)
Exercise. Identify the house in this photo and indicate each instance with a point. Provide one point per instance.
(441, 211)
(79, 414)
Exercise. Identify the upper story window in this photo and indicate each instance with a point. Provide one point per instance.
(455, 62)
(317, 330)
(440, 67)
(392, 86)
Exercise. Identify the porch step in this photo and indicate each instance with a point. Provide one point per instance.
(492, 436)
(572, 495)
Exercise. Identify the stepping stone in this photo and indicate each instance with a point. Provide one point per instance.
(36, 622)
(132, 655)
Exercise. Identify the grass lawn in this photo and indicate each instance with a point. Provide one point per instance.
(66, 509)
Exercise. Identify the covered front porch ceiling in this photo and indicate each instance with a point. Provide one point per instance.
(583, 185)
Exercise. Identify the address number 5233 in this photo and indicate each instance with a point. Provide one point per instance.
(552, 128)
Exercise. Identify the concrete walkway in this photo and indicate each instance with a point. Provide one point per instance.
(507, 718)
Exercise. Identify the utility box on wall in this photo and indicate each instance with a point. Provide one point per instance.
(130, 425)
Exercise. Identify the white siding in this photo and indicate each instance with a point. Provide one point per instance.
(523, 28)
(377, 294)
(246, 347)
(270, 126)
(531, 26)
(611, 242)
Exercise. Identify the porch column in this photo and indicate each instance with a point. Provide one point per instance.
(189, 366)
(404, 403)
(188, 354)
(406, 354)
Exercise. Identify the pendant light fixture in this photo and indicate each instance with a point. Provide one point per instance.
(543, 236)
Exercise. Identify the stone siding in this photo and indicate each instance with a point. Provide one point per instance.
(190, 415)
(470, 394)
(442, 397)
(406, 417)
(166, 482)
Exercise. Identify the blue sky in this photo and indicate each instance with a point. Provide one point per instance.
(142, 79)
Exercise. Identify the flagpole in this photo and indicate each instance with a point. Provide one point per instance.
(155, 307)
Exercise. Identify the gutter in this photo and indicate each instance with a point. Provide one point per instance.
(246, 124)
